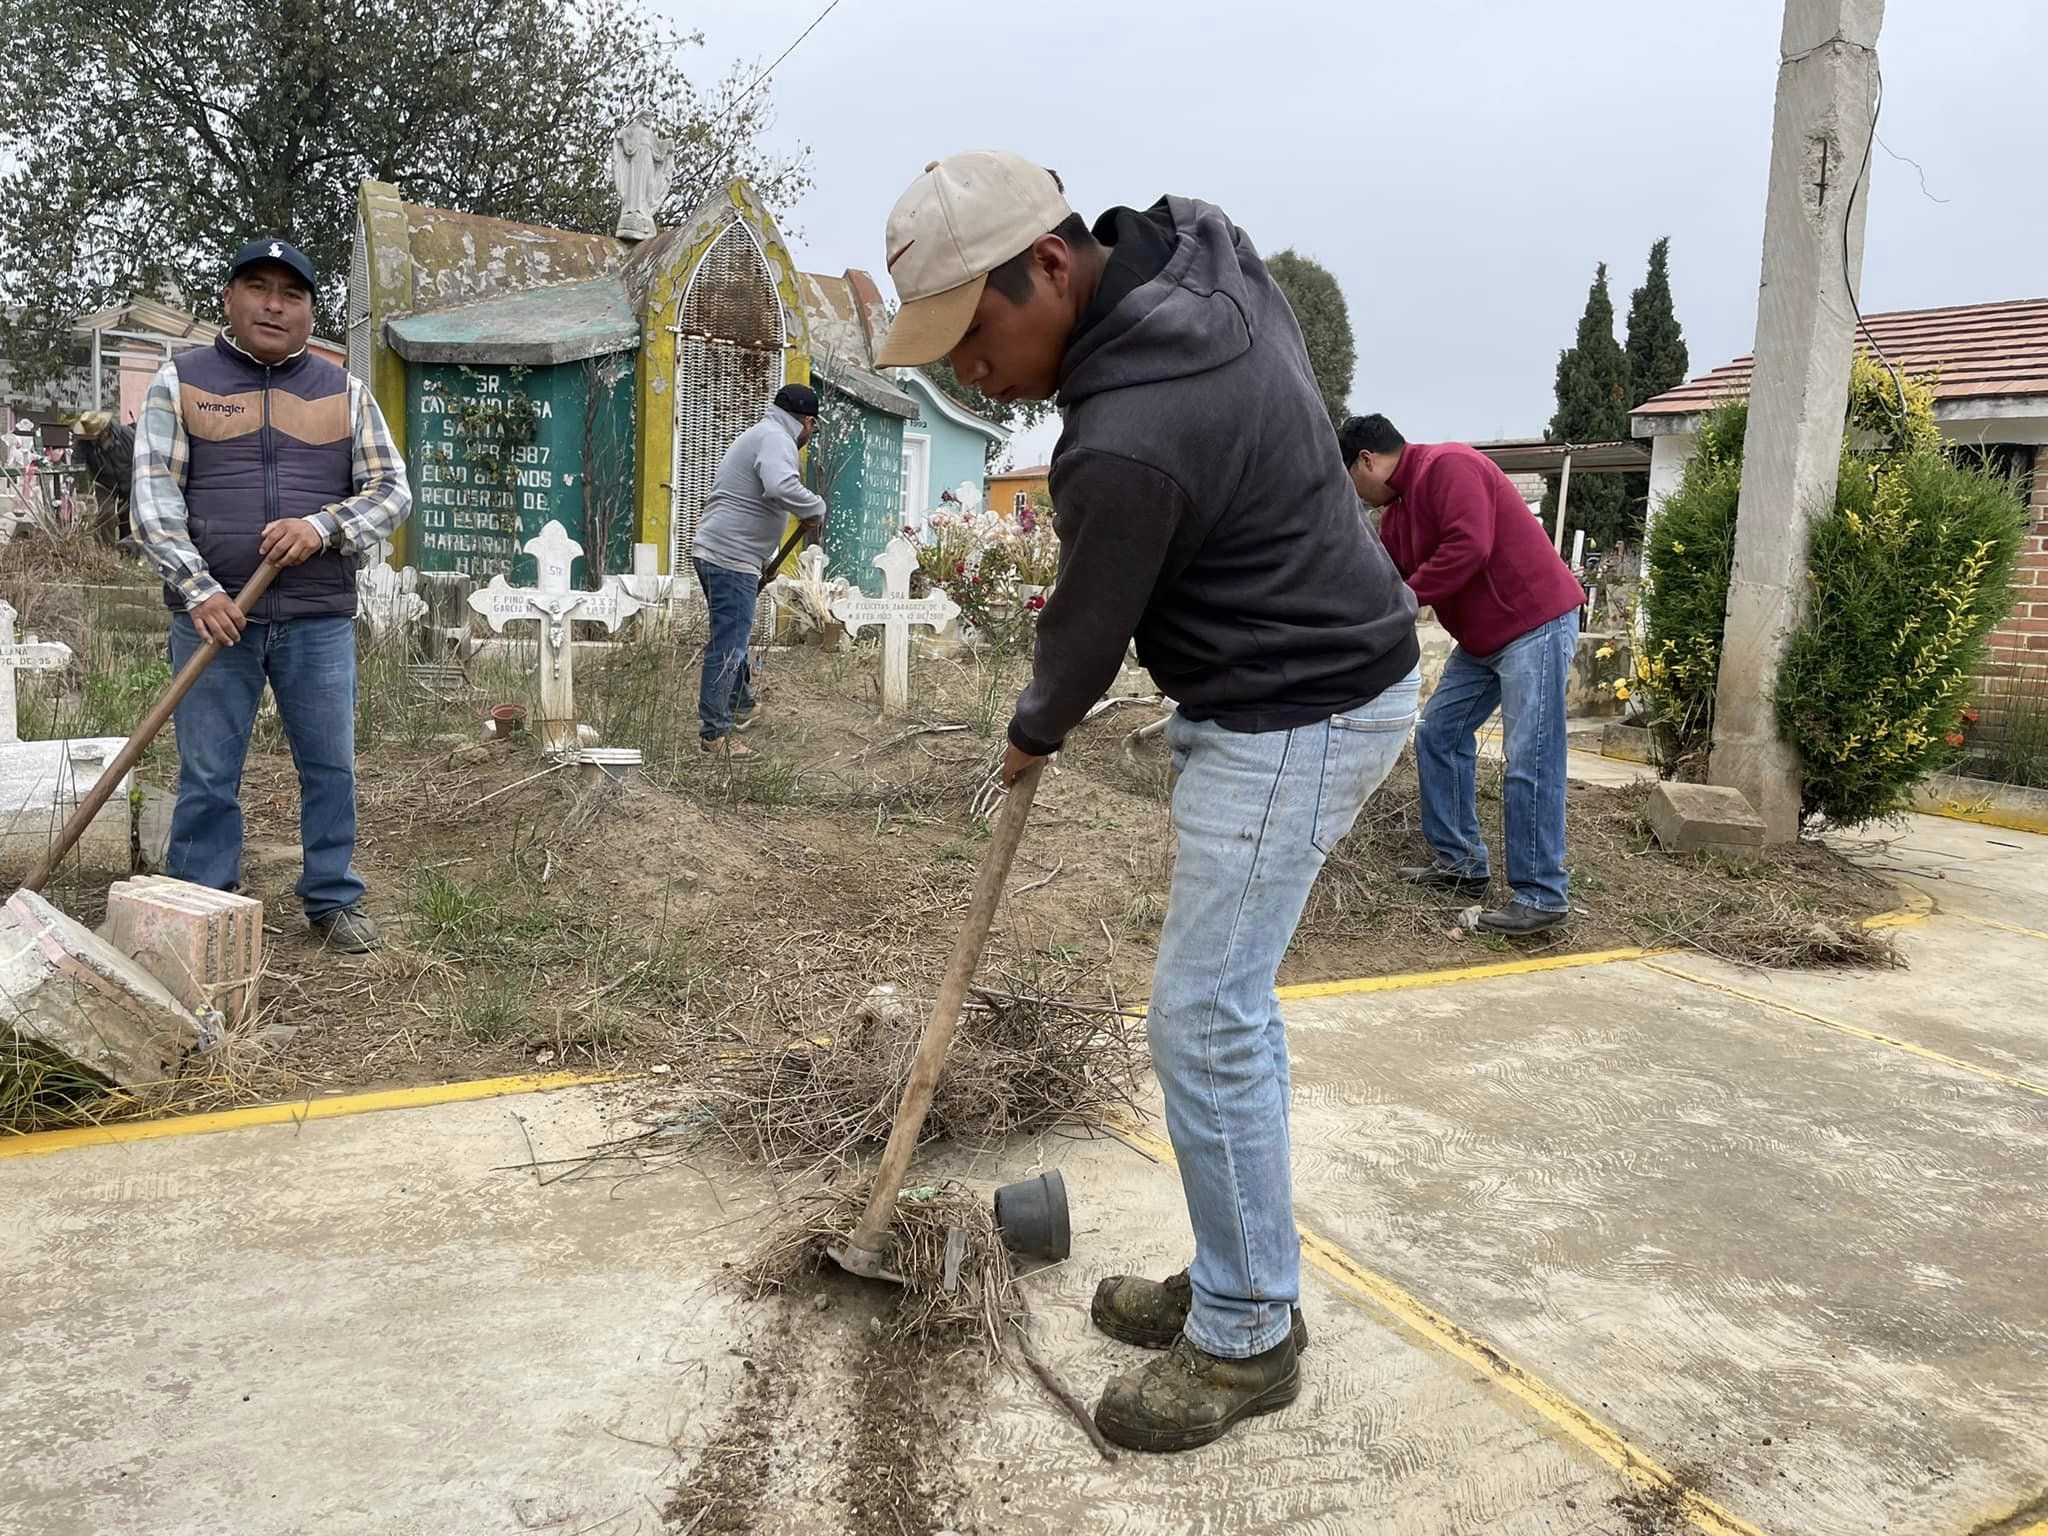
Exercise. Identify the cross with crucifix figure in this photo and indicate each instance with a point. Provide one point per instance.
(556, 604)
(31, 655)
(895, 610)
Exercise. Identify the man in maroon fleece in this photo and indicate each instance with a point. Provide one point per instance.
(1469, 548)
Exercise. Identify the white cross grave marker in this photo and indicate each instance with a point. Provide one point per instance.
(647, 585)
(32, 655)
(555, 603)
(895, 610)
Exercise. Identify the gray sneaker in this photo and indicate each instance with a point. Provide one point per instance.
(347, 931)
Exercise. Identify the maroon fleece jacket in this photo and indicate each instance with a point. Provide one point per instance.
(1468, 547)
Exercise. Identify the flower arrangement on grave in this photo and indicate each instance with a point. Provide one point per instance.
(1907, 575)
(997, 569)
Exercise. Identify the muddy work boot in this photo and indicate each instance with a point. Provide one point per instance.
(347, 931)
(1151, 1313)
(1187, 1398)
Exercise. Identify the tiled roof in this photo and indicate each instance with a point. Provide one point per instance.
(1974, 350)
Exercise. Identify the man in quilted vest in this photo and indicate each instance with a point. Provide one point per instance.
(254, 449)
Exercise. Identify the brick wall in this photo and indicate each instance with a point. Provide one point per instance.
(2019, 646)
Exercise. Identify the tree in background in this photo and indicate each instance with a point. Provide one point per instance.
(1016, 415)
(1325, 322)
(1592, 407)
(1657, 359)
(147, 141)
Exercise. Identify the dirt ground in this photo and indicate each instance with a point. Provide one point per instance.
(538, 922)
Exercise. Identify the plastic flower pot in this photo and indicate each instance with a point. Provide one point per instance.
(1032, 1217)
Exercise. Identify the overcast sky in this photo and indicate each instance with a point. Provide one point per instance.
(1460, 166)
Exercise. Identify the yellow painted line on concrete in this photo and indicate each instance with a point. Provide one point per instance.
(1985, 814)
(1918, 907)
(1581, 1428)
(2025, 933)
(1408, 982)
(40, 1142)
(1766, 1001)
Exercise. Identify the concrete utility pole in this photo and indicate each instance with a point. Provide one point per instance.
(1805, 336)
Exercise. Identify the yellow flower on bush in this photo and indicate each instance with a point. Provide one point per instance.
(1603, 653)
(1621, 692)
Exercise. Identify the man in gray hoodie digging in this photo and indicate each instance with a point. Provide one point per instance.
(759, 487)
(1203, 509)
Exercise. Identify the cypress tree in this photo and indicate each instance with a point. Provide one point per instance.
(1325, 321)
(1657, 359)
(1592, 407)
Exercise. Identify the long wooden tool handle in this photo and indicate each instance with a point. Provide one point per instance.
(144, 734)
(781, 555)
(873, 1230)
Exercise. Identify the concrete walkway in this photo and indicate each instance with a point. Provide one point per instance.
(1649, 1246)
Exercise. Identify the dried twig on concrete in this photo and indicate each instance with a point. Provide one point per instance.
(982, 1306)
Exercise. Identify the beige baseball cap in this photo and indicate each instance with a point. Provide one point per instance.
(963, 218)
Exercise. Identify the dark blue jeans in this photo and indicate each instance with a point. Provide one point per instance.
(728, 679)
(1526, 679)
(310, 665)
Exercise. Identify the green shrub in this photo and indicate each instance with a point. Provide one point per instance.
(1907, 576)
(1692, 546)
(1910, 573)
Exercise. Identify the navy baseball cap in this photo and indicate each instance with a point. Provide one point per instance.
(282, 252)
(797, 399)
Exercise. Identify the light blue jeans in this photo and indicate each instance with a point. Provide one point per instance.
(1255, 816)
(1526, 679)
(310, 665)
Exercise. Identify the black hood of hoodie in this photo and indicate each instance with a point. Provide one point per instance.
(1201, 501)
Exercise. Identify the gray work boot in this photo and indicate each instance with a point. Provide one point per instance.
(1151, 1313)
(1186, 1397)
(1433, 878)
(347, 931)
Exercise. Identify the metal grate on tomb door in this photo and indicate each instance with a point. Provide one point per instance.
(729, 363)
(359, 306)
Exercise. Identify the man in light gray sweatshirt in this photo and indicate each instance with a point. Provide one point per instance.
(758, 489)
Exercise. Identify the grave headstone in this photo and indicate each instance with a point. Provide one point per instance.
(555, 605)
(74, 993)
(447, 618)
(30, 655)
(41, 782)
(895, 610)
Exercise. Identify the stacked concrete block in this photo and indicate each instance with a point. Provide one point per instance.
(205, 946)
(68, 990)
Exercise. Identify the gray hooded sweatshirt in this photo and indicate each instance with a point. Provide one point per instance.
(1201, 502)
(757, 490)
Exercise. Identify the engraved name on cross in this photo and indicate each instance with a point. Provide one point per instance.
(555, 603)
(31, 655)
(895, 610)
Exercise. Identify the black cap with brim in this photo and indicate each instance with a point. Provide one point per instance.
(797, 399)
(279, 253)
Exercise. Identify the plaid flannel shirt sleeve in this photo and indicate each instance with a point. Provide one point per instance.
(383, 496)
(157, 502)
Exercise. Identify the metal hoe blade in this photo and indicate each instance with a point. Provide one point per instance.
(868, 1263)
